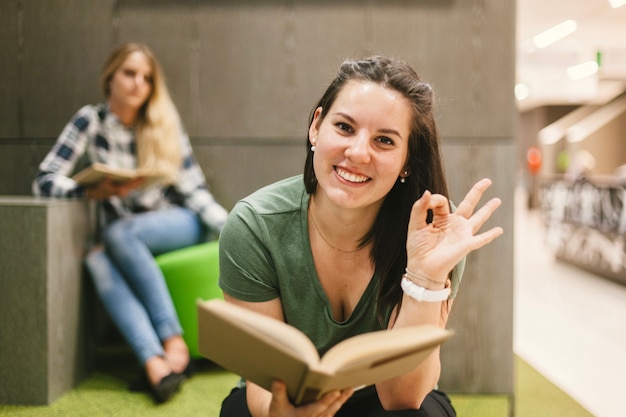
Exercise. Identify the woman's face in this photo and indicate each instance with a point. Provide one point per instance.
(131, 83)
(361, 144)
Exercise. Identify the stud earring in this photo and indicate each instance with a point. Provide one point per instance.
(313, 148)
(402, 180)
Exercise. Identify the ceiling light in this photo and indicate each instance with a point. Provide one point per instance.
(617, 3)
(583, 70)
(554, 34)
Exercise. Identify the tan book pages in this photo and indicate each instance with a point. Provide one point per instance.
(96, 172)
(370, 358)
(261, 349)
(253, 345)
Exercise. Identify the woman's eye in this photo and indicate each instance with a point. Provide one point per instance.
(344, 126)
(385, 140)
(129, 72)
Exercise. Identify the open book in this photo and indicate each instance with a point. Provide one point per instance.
(262, 349)
(96, 172)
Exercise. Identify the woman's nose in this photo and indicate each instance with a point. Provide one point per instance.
(359, 148)
(140, 80)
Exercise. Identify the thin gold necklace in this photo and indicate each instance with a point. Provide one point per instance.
(326, 240)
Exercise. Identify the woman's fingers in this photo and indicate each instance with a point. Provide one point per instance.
(328, 405)
(469, 203)
(435, 202)
(486, 237)
(419, 211)
(440, 205)
(479, 218)
(333, 401)
(279, 395)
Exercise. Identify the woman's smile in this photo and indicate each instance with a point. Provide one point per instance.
(350, 177)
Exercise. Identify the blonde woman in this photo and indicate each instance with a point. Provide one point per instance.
(137, 127)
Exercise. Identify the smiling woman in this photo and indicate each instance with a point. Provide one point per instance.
(327, 251)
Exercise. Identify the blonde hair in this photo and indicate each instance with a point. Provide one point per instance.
(158, 126)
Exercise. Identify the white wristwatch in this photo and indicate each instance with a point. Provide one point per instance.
(422, 294)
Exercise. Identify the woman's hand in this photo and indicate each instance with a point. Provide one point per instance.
(109, 188)
(326, 406)
(434, 249)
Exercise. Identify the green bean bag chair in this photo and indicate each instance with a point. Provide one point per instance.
(191, 275)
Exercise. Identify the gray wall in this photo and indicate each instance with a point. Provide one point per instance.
(245, 75)
(45, 337)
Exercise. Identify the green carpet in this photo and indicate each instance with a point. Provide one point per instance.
(104, 393)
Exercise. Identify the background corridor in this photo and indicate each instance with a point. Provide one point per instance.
(568, 324)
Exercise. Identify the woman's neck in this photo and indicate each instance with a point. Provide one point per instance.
(342, 230)
(127, 115)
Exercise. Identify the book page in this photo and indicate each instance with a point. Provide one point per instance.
(320, 382)
(370, 347)
(370, 358)
(96, 172)
(259, 347)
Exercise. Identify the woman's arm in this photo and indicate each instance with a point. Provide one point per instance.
(195, 192)
(409, 390)
(52, 179)
(432, 252)
(258, 398)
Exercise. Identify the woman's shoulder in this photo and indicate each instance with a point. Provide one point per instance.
(89, 114)
(268, 211)
(93, 110)
(281, 196)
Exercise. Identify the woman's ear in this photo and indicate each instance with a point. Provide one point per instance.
(314, 128)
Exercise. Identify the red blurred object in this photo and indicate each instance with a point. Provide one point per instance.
(533, 159)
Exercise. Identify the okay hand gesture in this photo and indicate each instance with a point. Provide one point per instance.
(434, 249)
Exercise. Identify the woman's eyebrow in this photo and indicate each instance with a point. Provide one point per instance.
(387, 131)
(345, 115)
(391, 132)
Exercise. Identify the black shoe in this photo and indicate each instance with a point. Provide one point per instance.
(190, 369)
(167, 387)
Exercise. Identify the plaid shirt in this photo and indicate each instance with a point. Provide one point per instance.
(96, 135)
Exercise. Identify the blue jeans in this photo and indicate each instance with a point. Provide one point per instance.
(131, 284)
